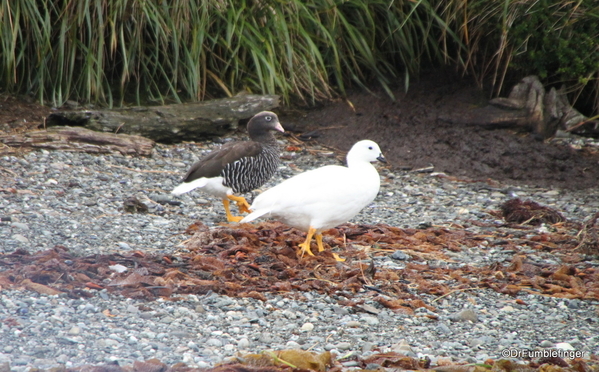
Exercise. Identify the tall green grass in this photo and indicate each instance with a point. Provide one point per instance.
(115, 52)
(112, 52)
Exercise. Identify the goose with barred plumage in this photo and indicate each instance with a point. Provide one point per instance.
(325, 197)
(238, 167)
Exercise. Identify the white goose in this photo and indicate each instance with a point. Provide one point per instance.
(325, 197)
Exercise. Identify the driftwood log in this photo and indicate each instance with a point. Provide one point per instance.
(78, 139)
(530, 107)
(171, 123)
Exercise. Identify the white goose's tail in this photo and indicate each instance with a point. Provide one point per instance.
(254, 215)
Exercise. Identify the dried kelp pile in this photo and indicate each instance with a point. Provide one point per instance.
(529, 212)
(249, 260)
(303, 361)
(588, 236)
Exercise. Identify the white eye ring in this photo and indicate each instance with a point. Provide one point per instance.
(268, 118)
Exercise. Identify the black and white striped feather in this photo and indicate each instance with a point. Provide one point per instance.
(250, 172)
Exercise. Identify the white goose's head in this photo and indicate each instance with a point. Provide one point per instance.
(365, 151)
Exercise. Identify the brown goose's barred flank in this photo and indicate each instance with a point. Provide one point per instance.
(238, 167)
(249, 173)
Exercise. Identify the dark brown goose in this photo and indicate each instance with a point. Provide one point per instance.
(238, 167)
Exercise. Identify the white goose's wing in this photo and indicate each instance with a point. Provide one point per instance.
(322, 198)
(294, 191)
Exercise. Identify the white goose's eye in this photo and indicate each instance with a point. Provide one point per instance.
(369, 147)
(268, 118)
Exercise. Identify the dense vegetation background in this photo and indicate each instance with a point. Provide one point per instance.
(143, 51)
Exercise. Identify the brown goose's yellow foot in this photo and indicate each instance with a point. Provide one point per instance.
(234, 218)
(337, 258)
(230, 217)
(243, 208)
(242, 204)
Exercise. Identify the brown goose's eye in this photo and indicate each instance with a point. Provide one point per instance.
(268, 118)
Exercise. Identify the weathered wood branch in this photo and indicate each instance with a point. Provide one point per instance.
(80, 139)
(529, 106)
(171, 123)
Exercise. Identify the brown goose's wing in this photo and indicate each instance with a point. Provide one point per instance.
(213, 164)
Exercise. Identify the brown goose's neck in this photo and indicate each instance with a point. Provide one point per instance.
(266, 138)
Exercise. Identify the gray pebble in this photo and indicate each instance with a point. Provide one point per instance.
(214, 342)
(343, 346)
(370, 320)
(243, 343)
(546, 343)
(400, 256)
(367, 346)
(124, 245)
(20, 238)
(74, 330)
(444, 329)
(19, 225)
(292, 345)
(464, 316)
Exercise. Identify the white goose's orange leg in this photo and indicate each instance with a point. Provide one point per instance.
(230, 217)
(242, 204)
(319, 242)
(337, 258)
(305, 246)
(321, 248)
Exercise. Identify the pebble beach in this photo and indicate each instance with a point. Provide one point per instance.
(75, 200)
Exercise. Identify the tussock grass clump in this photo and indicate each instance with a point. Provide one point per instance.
(151, 50)
(120, 51)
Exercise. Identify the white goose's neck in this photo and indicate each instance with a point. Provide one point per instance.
(362, 167)
(364, 173)
(353, 162)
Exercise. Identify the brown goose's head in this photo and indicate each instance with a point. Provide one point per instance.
(262, 123)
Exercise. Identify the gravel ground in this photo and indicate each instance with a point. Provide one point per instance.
(76, 200)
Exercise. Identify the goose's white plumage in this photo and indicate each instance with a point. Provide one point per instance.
(325, 197)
